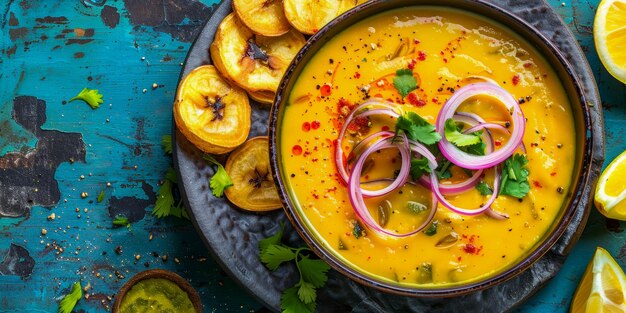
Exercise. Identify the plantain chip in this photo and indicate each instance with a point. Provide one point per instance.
(263, 17)
(253, 187)
(212, 113)
(254, 62)
(309, 16)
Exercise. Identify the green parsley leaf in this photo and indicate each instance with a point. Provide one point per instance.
(417, 128)
(313, 271)
(404, 81)
(416, 207)
(459, 139)
(419, 167)
(432, 229)
(89, 96)
(120, 220)
(514, 181)
(275, 255)
(307, 292)
(220, 179)
(100, 196)
(484, 189)
(272, 240)
(290, 302)
(69, 301)
(166, 143)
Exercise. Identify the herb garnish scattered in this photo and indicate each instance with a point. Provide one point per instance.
(220, 179)
(89, 96)
(164, 205)
(69, 301)
(404, 81)
(302, 296)
(418, 129)
(120, 221)
(419, 167)
(432, 229)
(453, 135)
(100, 196)
(484, 189)
(165, 202)
(357, 230)
(166, 143)
(515, 177)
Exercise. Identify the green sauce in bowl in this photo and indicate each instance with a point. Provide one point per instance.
(156, 295)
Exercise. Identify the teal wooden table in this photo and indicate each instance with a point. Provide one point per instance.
(57, 156)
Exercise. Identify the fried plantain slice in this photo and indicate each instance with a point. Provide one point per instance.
(309, 16)
(212, 113)
(253, 187)
(263, 17)
(254, 62)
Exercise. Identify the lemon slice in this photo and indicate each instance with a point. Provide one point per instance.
(609, 33)
(602, 287)
(611, 189)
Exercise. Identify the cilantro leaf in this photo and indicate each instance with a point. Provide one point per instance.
(166, 143)
(220, 179)
(100, 196)
(274, 255)
(432, 229)
(357, 231)
(484, 189)
(165, 203)
(404, 81)
(313, 271)
(290, 302)
(120, 220)
(514, 181)
(89, 96)
(417, 128)
(419, 167)
(307, 293)
(69, 301)
(272, 240)
(475, 149)
(459, 139)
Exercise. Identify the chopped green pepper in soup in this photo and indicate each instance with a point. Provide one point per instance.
(156, 295)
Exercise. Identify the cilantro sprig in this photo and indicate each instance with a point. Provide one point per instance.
(419, 167)
(90, 96)
(418, 129)
(514, 181)
(165, 203)
(301, 298)
(484, 189)
(404, 81)
(69, 301)
(220, 179)
(459, 139)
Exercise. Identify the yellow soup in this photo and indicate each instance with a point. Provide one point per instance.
(447, 49)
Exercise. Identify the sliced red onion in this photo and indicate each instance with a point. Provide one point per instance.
(379, 107)
(474, 162)
(464, 211)
(356, 195)
(403, 175)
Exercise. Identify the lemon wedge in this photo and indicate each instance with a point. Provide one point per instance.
(602, 287)
(611, 189)
(609, 33)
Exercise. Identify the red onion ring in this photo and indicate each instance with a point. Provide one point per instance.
(356, 196)
(473, 162)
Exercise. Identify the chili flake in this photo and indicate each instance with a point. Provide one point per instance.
(306, 126)
(515, 80)
(296, 150)
(315, 124)
(325, 90)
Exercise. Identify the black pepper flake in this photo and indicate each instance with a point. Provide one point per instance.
(306, 172)
(558, 145)
(118, 250)
(559, 189)
(521, 101)
(507, 124)
(331, 61)
(146, 264)
(293, 175)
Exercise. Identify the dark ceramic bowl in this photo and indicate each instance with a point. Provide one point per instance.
(576, 200)
(159, 273)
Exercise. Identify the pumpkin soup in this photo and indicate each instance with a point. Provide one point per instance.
(457, 143)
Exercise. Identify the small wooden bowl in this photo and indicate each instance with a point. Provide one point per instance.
(159, 273)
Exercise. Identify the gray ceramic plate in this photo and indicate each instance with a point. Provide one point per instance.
(232, 235)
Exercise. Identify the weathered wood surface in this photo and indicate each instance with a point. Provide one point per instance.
(49, 51)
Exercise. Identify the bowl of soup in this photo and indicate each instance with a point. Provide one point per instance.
(430, 148)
